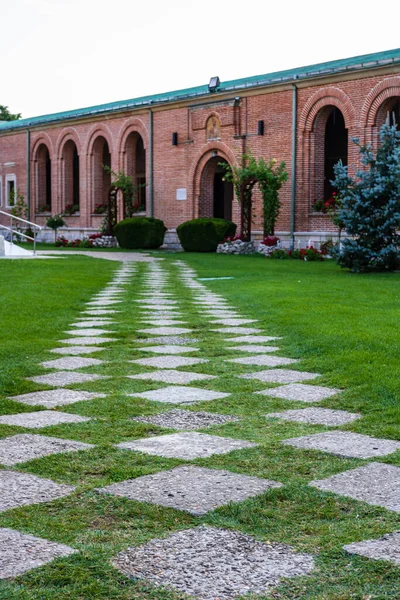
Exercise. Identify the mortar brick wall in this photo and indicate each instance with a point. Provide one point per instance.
(361, 97)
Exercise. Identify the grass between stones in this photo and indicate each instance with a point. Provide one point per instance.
(338, 324)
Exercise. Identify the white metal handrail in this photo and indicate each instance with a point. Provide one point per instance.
(26, 222)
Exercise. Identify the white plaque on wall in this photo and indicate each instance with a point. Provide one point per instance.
(181, 194)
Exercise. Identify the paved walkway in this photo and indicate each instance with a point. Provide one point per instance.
(208, 563)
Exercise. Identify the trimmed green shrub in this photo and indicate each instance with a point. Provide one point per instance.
(204, 235)
(140, 232)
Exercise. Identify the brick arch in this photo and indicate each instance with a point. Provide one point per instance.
(96, 131)
(70, 133)
(382, 91)
(329, 96)
(198, 165)
(43, 138)
(132, 125)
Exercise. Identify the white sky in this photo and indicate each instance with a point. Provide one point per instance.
(59, 55)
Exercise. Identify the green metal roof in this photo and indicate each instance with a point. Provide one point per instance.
(366, 61)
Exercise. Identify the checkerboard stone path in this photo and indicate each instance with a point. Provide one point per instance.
(71, 363)
(21, 552)
(172, 376)
(56, 397)
(316, 416)
(176, 394)
(23, 489)
(63, 378)
(385, 548)
(169, 362)
(41, 418)
(345, 443)
(25, 446)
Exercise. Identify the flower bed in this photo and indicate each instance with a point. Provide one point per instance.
(236, 245)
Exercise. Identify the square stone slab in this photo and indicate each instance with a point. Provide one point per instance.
(264, 361)
(103, 311)
(21, 552)
(384, 548)
(93, 323)
(186, 420)
(234, 322)
(89, 332)
(376, 483)
(194, 489)
(62, 378)
(163, 322)
(207, 563)
(180, 395)
(301, 392)
(238, 330)
(169, 349)
(253, 339)
(52, 398)
(103, 303)
(280, 376)
(345, 443)
(158, 308)
(22, 489)
(71, 363)
(87, 341)
(159, 301)
(165, 330)
(76, 350)
(169, 362)
(316, 416)
(172, 376)
(28, 446)
(168, 340)
(187, 445)
(254, 349)
(41, 418)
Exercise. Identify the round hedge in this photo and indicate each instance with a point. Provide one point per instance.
(204, 235)
(140, 232)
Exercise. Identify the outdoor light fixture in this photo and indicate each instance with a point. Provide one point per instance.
(214, 153)
(175, 138)
(260, 128)
(214, 84)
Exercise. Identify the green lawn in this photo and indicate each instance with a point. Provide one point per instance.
(341, 325)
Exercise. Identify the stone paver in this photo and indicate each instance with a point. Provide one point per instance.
(207, 563)
(376, 483)
(187, 445)
(159, 301)
(234, 322)
(175, 340)
(21, 552)
(385, 548)
(88, 332)
(264, 361)
(169, 349)
(301, 392)
(71, 363)
(160, 309)
(103, 303)
(41, 418)
(28, 446)
(21, 489)
(93, 323)
(345, 443)
(53, 398)
(99, 311)
(194, 489)
(280, 376)
(238, 330)
(172, 376)
(316, 416)
(165, 330)
(87, 341)
(163, 322)
(253, 339)
(63, 378)
(186, 420)
(169, 362)
(254, 349)
(76, 350)
(181, 395)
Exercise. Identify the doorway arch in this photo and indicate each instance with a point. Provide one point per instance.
(216, 194)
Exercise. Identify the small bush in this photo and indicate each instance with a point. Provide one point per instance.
(140, 232)
(204, 235)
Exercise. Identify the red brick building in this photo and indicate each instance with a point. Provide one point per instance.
(174, 143)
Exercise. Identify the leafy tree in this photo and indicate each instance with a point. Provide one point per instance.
(129, 190)
(270, 179)
(55, 222)
(370, 208)
(5, 114)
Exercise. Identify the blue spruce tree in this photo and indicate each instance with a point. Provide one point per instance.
(370, 206)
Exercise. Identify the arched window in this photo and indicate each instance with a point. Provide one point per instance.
(389, 112)
(43, 179)
(135, 166)
(101, 178)
(71, 176)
